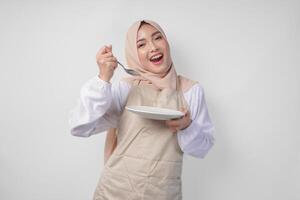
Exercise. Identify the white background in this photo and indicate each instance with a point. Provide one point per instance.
(244, 53)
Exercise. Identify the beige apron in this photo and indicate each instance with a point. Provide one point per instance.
(147, 161)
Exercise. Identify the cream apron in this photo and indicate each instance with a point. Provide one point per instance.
(147, 162)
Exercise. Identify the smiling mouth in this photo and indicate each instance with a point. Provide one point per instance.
(157, 59)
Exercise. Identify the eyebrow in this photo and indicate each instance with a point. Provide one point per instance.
(156, 32)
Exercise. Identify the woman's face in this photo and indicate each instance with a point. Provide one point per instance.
(153, 50)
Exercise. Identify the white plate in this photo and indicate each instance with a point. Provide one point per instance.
(155, 112)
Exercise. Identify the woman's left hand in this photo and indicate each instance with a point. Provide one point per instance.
(181, 123)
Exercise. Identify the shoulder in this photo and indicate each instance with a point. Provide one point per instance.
(194, 93)
(195, 99)
(186, 83)
(189, 85)
(184, 79)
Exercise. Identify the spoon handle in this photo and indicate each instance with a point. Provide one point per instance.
(121, 65)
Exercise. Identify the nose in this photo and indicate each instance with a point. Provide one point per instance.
(152, 46)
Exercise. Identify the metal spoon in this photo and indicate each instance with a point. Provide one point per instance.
(129, 71)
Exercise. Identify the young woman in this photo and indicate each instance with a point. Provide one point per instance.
(143, 157)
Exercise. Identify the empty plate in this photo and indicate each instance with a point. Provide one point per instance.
(155, 112)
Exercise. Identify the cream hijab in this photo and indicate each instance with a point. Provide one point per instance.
(146, 77)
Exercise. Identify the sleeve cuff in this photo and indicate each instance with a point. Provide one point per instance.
(187, 129)
(100, 82)
(183, 132)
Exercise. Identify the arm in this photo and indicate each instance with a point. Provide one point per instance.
(98, 107)
(197, 139)
(110, 143)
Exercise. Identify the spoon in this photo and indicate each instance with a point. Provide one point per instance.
(129, 71)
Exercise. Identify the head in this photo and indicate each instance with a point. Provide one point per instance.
(153, 49)
(147, 49)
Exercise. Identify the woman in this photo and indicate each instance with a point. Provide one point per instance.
(110, 143)
(145, 160)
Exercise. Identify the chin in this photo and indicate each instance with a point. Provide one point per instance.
(158, 69)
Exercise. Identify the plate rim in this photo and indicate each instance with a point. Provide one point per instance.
(155, 113)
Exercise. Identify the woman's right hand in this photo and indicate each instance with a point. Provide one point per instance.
(107, 63)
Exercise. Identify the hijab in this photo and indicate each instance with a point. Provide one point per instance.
(157, 81)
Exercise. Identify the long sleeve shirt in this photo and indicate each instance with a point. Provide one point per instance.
(101, 104)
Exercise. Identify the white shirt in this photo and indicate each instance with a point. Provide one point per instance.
(101, 104)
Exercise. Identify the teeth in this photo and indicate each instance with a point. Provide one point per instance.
(155, 57)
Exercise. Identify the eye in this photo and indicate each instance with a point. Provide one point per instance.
(158, 37)
(140, 45)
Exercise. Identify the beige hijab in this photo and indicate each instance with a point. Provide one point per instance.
(146, 77)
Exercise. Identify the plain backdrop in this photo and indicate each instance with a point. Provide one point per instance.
(244, 53)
